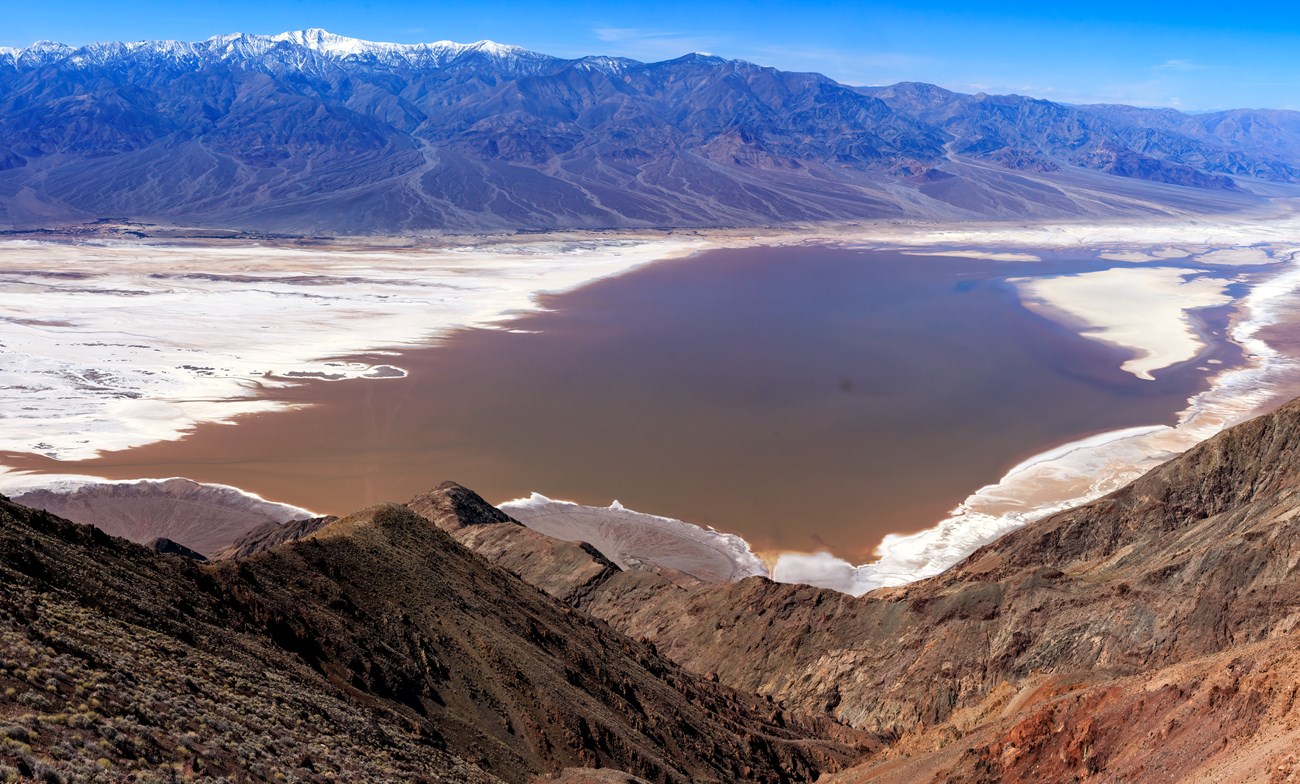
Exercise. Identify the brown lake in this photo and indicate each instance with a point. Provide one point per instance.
(805, 398)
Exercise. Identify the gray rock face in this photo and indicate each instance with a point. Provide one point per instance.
(310, 132)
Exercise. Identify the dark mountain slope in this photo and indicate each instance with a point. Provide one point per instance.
(1273, 133)
(378, 633)
(118, 665)
(308, 131)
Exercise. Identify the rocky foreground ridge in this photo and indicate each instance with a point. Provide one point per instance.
(1147, 636)
(374, 648)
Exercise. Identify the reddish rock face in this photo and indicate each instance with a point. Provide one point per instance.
(1229, 717)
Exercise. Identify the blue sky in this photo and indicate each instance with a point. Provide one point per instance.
(1185, 55)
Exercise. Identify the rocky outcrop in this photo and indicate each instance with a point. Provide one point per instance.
(168, 547)
(568, 571)
(269, 535)
(572, 551)
(564, 565)
(453, 507)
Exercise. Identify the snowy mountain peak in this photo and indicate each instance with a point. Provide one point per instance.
(320, 40)
(330, 45)
(45, 47)
(495, 49)
(41, 52)
(309, 49)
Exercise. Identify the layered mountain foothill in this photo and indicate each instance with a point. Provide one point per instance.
(1174, 600)
(314, 132)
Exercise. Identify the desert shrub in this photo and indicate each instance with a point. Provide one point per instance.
(16, 731)
(33, 699)
(38, 770)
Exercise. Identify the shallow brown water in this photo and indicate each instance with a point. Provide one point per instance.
(801, 397)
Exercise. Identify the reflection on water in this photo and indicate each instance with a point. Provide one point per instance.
(801, 397)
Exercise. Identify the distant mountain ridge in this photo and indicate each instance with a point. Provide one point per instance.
(1240, 142)
(308, 131)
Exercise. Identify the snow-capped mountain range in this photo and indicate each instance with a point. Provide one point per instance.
(312, 131)
(305, 49)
